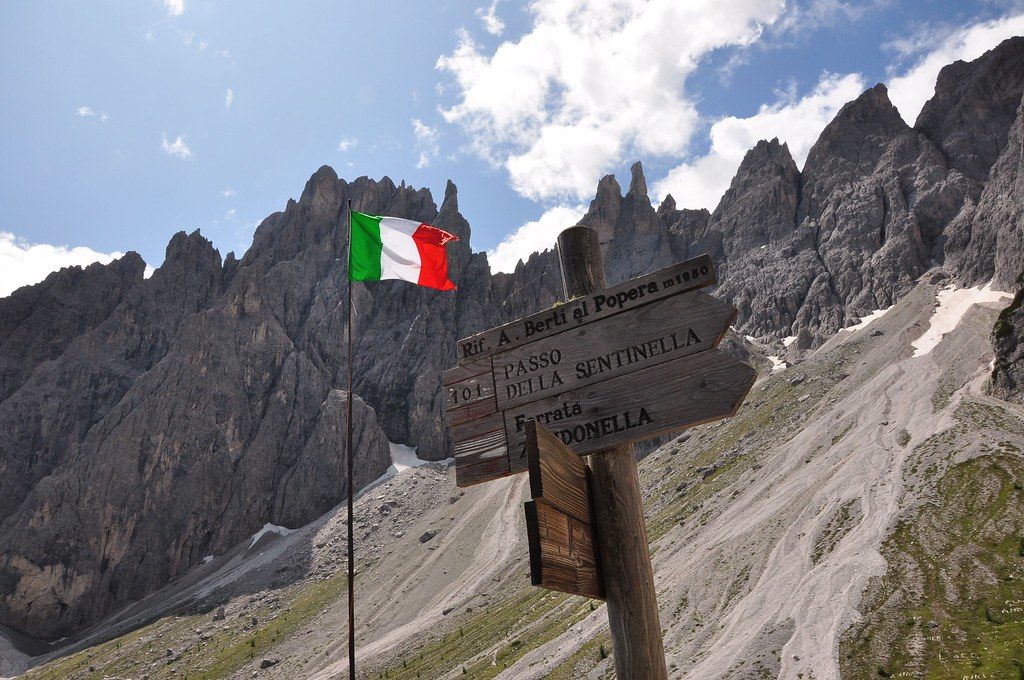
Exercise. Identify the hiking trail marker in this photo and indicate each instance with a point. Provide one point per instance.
(590, 376)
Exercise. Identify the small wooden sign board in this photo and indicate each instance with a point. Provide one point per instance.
(559, 526)
(630, 363)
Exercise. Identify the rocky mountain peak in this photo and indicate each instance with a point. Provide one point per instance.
(637, 181)
(974, 105)
(667, 206)
(322, 182)
(865, 124)
(190, 251)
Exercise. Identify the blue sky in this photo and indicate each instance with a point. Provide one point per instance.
(124, 122)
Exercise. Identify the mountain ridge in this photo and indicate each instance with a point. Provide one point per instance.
(194, 406)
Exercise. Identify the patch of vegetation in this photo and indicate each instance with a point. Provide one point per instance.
(584, 659)
(952, 601)
(171, 647)
(536, 615)
(838, 525)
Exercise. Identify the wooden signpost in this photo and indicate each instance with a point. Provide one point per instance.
(590, 376)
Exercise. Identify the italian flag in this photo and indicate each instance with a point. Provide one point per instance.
(393, 248)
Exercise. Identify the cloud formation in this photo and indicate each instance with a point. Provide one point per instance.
(229, 98)
(549, 106)
(426, 142)
(175, 8)
(933, 47)
(23, 263)
(489, 18)
(797, 121)
(346, 143)
(534, 236)
(176, 148)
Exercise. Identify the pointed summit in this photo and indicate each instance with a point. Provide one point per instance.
(637, 181)
(974, 105)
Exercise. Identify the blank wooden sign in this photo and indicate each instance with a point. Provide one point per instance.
(559, 527)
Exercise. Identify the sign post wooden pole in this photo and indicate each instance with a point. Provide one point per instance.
(618, 508)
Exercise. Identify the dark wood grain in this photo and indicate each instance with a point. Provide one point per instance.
(557, 475)
(625, 559)
(636, 339)
(562, 555)
(585, 309)
(466, 370)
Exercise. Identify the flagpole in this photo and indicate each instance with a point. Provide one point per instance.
(351, 454)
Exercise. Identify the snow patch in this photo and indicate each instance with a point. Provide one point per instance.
(750, 338)
(209, 558)
(864, 321)
(777, 363)
(786, 342)
(404, 457)
(269, 528)
(953, 303)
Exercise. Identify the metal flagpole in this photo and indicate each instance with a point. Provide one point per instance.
(351, 454)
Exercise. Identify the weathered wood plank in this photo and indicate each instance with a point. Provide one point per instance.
(678, 278)
(635, 339)
(466, 370)
(468, 473)
(469, 391)
(674, 395)
(557, 474)
(562, 554)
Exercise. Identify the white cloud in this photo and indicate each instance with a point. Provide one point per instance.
(175, 8)
(488, 17)
(426, 142)
(228, 192)
(84, 112)
(346, 143)
(23, 263)
(802, 17)
(550, 106)
(176, 148)
(937, 46)
(700, 183)
(535, 236)
(229, 98)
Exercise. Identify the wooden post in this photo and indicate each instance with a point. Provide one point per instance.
(618, 507)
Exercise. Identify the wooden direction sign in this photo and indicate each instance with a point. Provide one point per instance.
(679, 278)
(652, 401)
(610, 377)
(559, 526)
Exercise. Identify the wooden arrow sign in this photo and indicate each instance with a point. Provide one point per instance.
(642, 337)
(559, 525)
(675, 327)
(679, 278)
(600, 370)
(671, 396)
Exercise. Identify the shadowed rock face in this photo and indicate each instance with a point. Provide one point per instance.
(1008, 342)
(147, 423)
(973, 107)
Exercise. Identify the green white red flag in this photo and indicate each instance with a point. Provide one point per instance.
(394, 248)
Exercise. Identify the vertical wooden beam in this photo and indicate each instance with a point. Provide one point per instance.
(618, 507)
